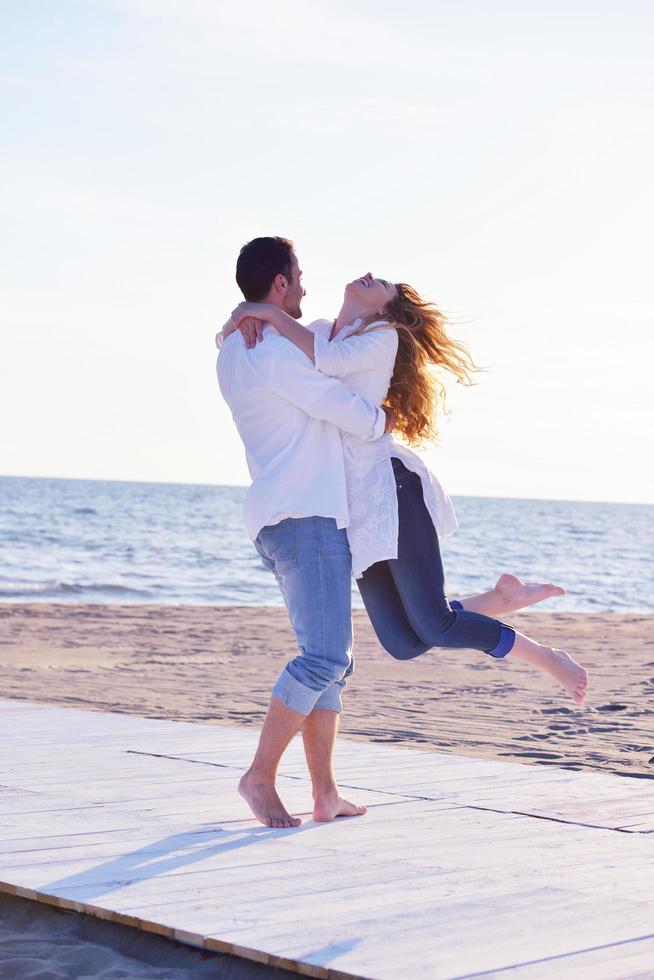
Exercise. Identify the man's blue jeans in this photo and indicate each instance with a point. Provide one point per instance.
(311, 561)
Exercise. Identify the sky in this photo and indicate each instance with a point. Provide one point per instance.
(497, 156)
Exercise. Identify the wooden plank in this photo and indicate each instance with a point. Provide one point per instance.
(629, 960)
(430, 883)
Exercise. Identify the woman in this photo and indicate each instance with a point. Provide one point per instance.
(383, 345)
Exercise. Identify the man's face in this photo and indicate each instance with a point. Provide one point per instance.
(295, 291)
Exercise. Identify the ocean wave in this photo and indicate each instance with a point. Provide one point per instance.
(31, 590)
(169, 544)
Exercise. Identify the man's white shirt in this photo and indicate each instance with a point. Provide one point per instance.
(289, 417)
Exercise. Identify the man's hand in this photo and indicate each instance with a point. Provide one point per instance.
(391, 419)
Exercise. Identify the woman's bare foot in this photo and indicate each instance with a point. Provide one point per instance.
(264, 802)
(563, 668)
(567, 672)
(514, 594)
(328, 805)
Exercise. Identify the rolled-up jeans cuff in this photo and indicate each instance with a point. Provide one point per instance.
(293, 694)
(330, 698)
(505, 643)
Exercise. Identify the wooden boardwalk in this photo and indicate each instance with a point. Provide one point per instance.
(462, 867)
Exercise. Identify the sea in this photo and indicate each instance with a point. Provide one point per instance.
(96, 541)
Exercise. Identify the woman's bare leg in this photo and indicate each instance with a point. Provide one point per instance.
(559, 664)
(509, 595)
(408, 608)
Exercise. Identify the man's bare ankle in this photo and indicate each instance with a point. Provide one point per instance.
(325, 789)
(257, 774)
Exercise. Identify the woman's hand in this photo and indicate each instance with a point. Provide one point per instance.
(224, 332)
(250, 318)
(252, 329)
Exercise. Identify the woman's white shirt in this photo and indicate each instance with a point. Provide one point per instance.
(365, 363)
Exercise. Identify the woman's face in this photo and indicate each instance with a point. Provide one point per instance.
(371, 295)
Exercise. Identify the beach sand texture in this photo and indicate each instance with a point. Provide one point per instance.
(39, 941)
(217, 664)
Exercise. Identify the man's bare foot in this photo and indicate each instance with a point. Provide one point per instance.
(515, 594)
(265, 803)
(566, 671)
(327, 806)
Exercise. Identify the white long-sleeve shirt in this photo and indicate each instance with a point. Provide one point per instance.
(290, 417)
(366, 363)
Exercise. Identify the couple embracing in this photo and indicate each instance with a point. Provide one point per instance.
(334, 495)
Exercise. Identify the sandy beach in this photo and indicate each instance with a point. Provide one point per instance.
(38, 941)
(217, 664)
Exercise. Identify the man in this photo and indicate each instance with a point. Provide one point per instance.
(289, 416)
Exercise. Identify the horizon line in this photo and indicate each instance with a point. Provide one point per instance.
(243, 486)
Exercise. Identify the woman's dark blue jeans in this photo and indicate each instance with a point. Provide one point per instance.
(405, 596)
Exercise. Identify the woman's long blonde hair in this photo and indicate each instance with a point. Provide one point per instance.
(416, 393)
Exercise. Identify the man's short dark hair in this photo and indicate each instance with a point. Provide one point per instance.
(259, 262)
